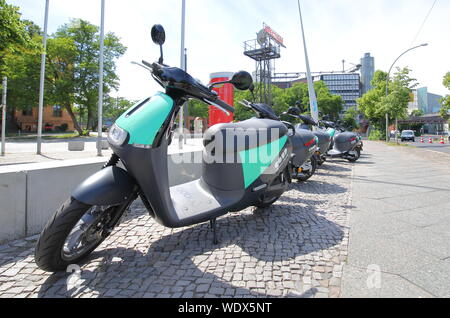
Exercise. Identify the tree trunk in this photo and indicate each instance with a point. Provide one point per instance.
(74, 120)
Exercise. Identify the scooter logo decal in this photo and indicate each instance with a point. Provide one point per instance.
(255, 161)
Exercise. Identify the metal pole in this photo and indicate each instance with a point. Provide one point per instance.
(5, 83)
(182, 63)
(100, 82)
(312, 93)
(42, 81)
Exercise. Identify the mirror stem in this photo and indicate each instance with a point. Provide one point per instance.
(161, 59)
(217, 83)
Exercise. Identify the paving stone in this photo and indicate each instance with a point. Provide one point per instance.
(302, 239)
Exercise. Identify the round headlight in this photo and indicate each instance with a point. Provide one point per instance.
(117, 135)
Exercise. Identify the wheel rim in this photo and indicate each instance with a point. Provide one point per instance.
(307, 168)
(87, 233)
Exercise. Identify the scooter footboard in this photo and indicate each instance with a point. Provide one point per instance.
(109, 186)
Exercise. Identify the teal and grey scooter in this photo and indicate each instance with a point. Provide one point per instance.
(257, 174)
(346, 145)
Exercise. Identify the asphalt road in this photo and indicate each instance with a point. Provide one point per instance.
(433, 147)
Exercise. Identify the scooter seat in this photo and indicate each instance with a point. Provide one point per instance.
(249, 134)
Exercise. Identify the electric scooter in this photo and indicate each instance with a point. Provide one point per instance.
(323, 137)
(305, 146)
(257, 175)
(344, 145)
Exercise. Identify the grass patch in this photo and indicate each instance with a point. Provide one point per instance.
(61, 136)
(394, 144)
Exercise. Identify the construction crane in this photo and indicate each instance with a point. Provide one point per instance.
(355, 68)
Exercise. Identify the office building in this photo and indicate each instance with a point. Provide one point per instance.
(346, 85)
(367, 72)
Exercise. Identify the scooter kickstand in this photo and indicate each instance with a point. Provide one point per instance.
(213, 224)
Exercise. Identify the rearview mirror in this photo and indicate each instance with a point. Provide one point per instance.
(158, 34)
(308, 120)
(242, 81)
(294, 111)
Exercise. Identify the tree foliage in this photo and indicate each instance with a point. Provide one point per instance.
(297, 95)
(445, 109)
(374, 105)
(349, 120)
(14, 34)
(72, 69)
(84, 40)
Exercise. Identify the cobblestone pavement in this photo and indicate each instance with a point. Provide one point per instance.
(296, 248)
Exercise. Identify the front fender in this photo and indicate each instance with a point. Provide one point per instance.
(110, 186)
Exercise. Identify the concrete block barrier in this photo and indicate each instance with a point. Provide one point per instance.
(76, 145)
(31, 193)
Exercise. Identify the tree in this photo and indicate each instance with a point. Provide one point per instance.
(374, 104)
(86, 41)
(417, 113)
(198, 109)
(349, 119)
(114, 107)
(445, 109)
(13, 32)
(60, 74)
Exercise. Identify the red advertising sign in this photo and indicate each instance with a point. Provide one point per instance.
(274, 35)
(226, 93)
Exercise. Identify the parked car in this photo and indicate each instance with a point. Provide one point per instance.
(408, 135)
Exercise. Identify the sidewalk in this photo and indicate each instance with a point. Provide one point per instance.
(399, 225)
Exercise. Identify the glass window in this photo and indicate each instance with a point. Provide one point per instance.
(27, 112)
(57, 111)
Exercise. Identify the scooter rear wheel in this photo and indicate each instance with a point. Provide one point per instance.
(356, 154)
(307, 175)
(74, 232)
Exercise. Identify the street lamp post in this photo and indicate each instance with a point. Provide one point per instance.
(42, 82)
(387, 88)
(100, 81)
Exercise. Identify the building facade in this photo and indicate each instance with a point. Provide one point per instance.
(346, 85)
(367, 72)
(54, 119)
(421, 99)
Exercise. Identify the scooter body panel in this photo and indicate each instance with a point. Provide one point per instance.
(304, 144)
(209, 197)
(345, 142)
(324, 141)
(144, 120)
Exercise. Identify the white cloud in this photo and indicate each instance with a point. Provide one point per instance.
(216, 30)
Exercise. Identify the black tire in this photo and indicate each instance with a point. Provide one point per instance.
(358, 155)
(302, 177)
(267, 202)
(48, 253)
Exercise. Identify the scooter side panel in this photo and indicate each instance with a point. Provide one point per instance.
(144, 120)
(324, 141)
(255, 161)
(345, 142)
(304, 143)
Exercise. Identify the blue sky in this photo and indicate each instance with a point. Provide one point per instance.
(216, 30)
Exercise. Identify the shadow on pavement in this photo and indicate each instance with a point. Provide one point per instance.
(266, 235)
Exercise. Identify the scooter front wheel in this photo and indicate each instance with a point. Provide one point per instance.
(74, 232)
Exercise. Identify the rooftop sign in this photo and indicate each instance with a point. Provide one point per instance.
(274, 35)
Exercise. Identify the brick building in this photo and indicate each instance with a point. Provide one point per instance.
(53, 118)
